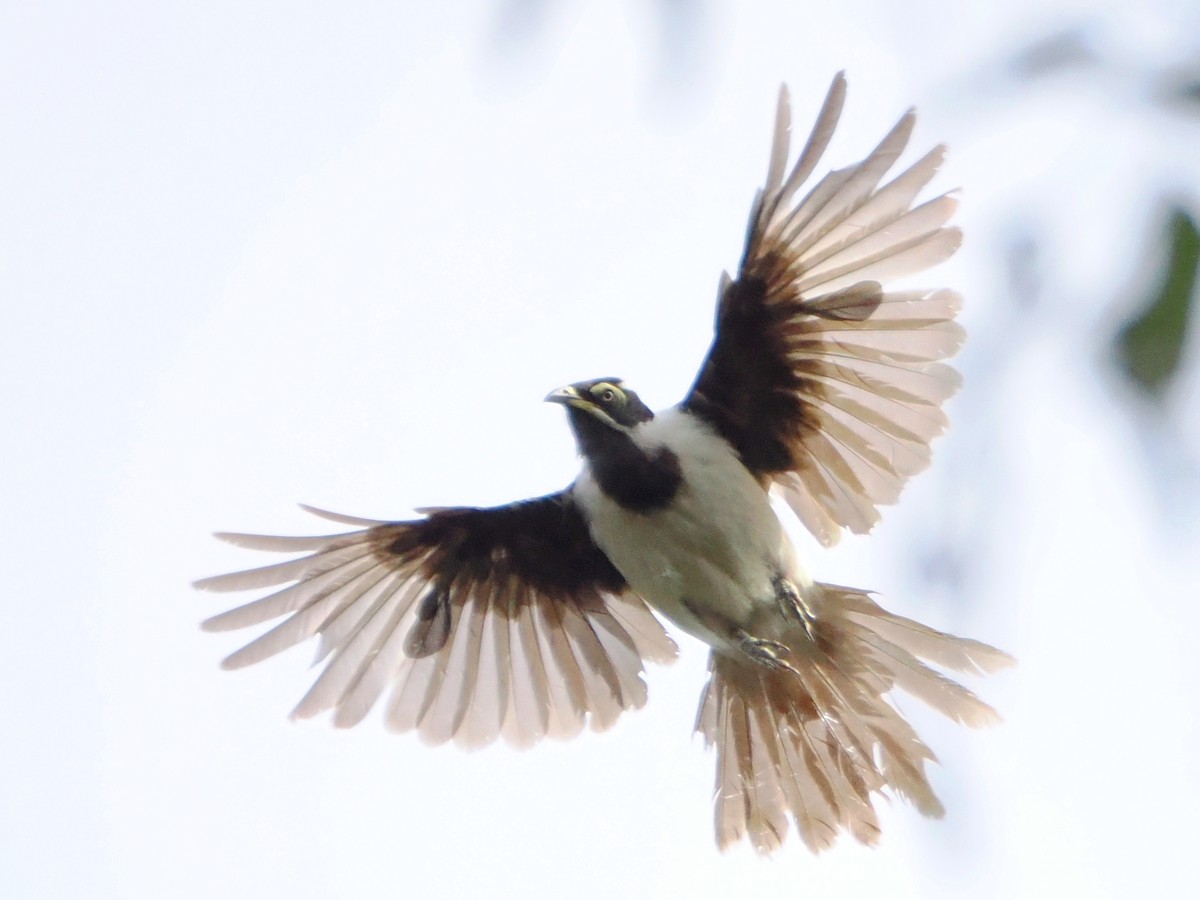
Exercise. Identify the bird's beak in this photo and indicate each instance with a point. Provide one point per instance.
(568, 396)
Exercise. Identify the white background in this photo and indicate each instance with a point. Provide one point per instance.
(259, 253)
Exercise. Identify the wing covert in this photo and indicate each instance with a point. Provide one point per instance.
(828, 385)
(483, 622)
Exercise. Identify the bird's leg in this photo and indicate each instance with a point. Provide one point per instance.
(761, 650)
(793, 605)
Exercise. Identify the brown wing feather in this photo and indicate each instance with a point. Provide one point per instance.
(828, 385)
(483, 622)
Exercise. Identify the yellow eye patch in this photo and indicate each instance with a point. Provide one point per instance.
(598, 390)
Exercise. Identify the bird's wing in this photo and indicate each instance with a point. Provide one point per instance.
(827, 384)
(483, 622)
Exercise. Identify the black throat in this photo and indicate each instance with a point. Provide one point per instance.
(636, 479)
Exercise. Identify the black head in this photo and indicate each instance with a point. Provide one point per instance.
(605, 418)
(605, 399)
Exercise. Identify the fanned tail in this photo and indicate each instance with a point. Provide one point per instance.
(815, 741)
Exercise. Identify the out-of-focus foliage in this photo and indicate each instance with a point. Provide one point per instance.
(680, 26)
(1149, 347)
(1061, 50)
(1181, 90)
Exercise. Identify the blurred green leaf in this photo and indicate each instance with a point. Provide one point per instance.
(1150, 345)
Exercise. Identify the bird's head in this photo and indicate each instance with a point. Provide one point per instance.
(602, 401)
(631, 467)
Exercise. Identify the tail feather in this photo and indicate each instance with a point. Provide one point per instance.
(818, 741)
(957, 653)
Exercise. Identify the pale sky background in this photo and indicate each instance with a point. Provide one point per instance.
(261, 253)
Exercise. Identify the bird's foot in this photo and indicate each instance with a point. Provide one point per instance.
(794, 606)
(771, 654)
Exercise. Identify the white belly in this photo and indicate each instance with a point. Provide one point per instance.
(709, 559)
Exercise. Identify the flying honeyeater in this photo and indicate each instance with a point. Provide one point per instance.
(534, 619)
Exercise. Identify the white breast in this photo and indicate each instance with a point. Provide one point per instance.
(707, 560)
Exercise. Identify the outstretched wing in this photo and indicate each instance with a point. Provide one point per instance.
(827, 384)
(483, 622)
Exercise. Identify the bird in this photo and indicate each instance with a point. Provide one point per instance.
(537, 618)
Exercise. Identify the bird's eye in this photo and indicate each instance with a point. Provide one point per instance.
(608, 395)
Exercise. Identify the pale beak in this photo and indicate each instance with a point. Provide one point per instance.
(568, 396)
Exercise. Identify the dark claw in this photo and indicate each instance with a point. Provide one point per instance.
(771, 654)
(793, 605)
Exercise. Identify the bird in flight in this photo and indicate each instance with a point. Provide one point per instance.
(533, 619)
